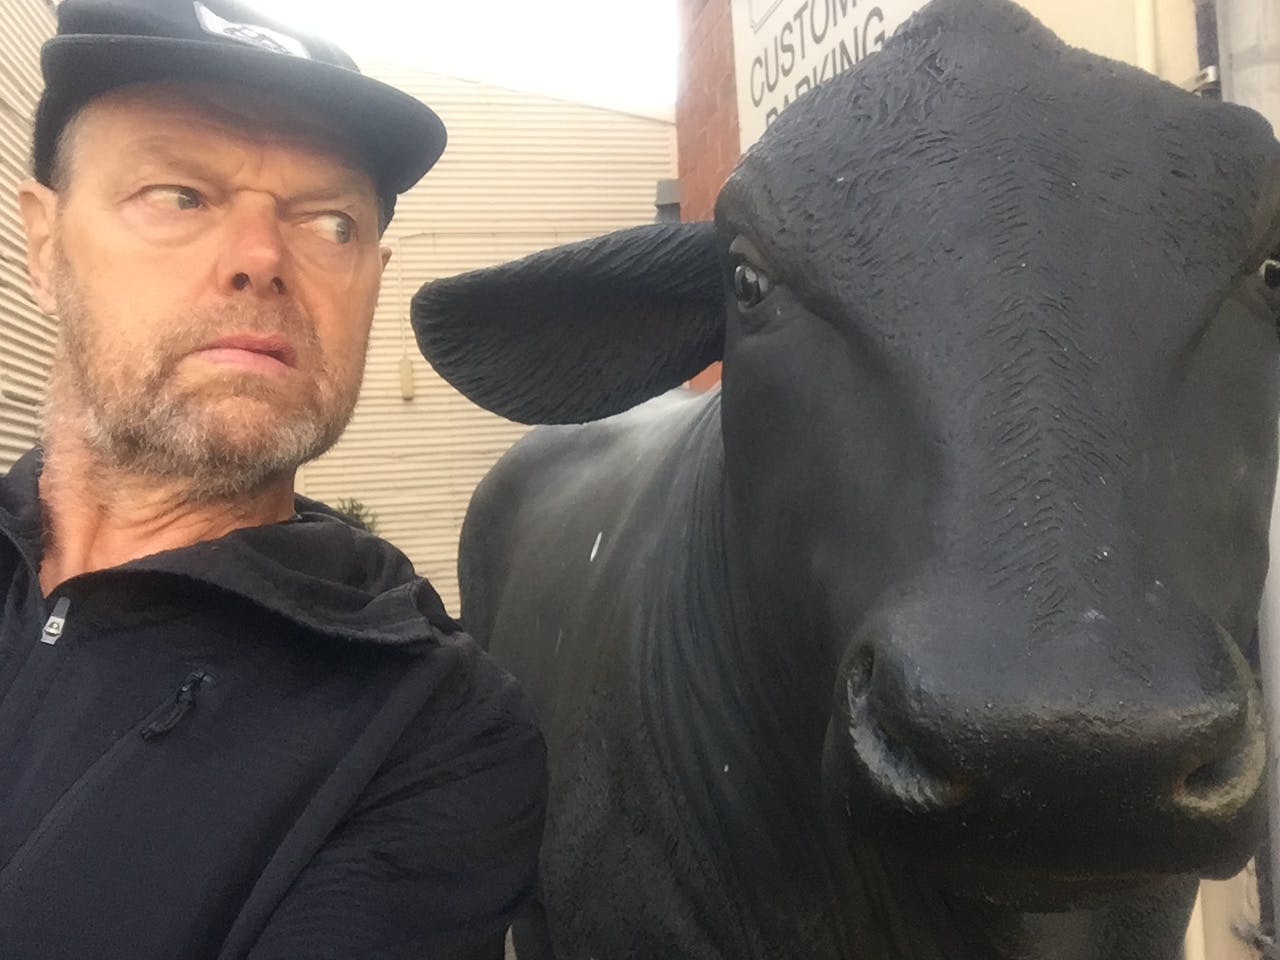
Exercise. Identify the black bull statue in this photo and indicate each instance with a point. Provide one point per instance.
(930, 634)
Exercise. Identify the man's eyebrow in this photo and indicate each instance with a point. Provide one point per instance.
(338, 194)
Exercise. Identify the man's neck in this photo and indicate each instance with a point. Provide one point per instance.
(98, 516)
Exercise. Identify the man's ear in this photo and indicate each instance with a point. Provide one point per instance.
(386, 255)
(39, 208)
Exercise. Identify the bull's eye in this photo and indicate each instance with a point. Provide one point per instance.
(750, 285)
(1270, 272)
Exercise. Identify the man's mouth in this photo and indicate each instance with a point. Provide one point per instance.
(262, 353)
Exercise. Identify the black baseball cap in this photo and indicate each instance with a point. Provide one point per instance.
(103, 44)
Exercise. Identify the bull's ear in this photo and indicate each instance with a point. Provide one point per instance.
(581, 331)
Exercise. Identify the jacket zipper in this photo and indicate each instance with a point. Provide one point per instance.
(163, 719)
(56, 625)
(183, 701)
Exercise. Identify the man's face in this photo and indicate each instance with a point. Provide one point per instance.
(215, 265)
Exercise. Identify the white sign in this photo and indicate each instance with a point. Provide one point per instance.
(784, 48)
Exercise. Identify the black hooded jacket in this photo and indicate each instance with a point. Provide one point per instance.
(271, 745)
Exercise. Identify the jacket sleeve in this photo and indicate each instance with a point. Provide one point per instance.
(440, 851)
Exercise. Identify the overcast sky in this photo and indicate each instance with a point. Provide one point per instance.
(618, 53)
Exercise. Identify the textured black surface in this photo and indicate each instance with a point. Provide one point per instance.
(930, 634)
(630, 315)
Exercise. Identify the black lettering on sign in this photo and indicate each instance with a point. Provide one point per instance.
(814, 23)
(788, 51)
(757, 89)
(798, 20)
(847, 59)
(875, 18)
(825, 7)
(771, 77)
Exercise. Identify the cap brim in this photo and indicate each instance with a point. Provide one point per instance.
(401, 135)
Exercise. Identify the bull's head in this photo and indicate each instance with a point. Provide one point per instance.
(999, 406)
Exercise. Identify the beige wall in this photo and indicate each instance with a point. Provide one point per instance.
(26, 337)
(521, 173)
(1107, 27)
(1157, 35)
(1224, 907)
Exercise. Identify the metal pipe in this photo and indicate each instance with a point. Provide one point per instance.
(1207, 33)
(1145, 26)
(1269, 643)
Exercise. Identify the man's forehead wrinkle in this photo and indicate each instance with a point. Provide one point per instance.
(310, 183)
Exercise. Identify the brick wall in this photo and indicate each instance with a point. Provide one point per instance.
(706, 116)
(706, 105)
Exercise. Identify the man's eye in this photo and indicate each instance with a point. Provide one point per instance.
(174, 197)
(335, 227)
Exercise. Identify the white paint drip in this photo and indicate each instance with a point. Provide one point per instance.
(596, 549)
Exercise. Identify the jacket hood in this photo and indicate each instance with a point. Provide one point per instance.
(314, 569)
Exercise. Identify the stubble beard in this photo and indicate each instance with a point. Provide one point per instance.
(219, 437)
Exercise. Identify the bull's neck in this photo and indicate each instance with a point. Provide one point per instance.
(720, 715)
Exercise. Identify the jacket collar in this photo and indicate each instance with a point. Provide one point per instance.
(315, 570)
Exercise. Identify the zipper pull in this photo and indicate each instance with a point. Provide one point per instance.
(57, 622)
(183, 701)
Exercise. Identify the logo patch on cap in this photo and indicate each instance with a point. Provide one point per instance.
(249, 33)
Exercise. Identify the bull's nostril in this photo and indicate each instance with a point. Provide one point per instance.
(1222, 786)
(1209, 777)
(861, 669)
(889, 759)
(1271, 272)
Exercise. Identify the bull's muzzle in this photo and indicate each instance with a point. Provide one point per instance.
(1078, 747)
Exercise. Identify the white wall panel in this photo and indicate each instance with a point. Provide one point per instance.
(26, 337)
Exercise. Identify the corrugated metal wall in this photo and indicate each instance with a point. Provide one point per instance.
(26, 337)
(521, 173)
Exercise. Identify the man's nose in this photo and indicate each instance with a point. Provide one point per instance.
(254, 251)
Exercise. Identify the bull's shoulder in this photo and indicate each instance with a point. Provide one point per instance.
(559, 484)
(587, 466)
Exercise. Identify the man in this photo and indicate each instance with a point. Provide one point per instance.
(231, 725)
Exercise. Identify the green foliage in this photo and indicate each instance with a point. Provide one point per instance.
(357, 514)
